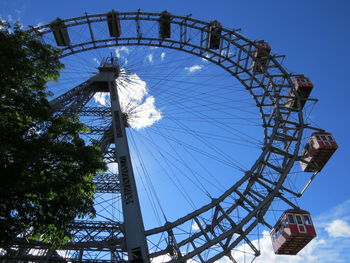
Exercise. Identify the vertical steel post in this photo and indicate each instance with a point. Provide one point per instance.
(133, 224)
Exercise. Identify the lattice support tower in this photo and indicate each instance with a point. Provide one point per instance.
(136, 243)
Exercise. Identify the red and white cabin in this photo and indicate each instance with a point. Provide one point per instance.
(317, 151)
(293, 231)
(302, 88)
(261, 56)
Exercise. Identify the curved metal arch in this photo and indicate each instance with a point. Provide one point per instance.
(272, 116)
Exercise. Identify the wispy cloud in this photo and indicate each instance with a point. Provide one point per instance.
(338, 228)
(195, 226)
(120, 50)
(102, 98)
(121, 53)
(205, 59)
(113, 167)
(149, 58)
(145, 114)
(134, 101)
(38, 25)
(194, 68)
(331, 245)
(97, 61)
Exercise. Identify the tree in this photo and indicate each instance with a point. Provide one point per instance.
(46, 169)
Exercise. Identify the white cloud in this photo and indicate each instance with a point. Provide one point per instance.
(204, 59)
(38, 25)
(97, 61)
(113, 167)
(331, 245)
(161, 259)
(338, 228)
(134, 100)
(146, 114)
(194, 68)
(149, 58)
(341, 211)
(130, 88)
(195, 227)
(243, 253)
(119, 50)
(162, 55)
(102, 98)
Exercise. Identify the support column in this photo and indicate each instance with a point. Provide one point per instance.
(134, 232)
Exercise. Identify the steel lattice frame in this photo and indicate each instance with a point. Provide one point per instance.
(253, 194)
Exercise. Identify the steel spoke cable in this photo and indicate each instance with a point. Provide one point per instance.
(148, 181)
(199, 150)
(185, 109)
(179, 158)
(220, 125)
(175, 165)
(176, 183)
(206, 134)
(210, 109)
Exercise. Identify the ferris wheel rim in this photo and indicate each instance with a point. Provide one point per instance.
(268, 138)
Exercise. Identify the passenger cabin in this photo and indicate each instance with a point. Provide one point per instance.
(60, 32)
(261, 56)
(293, 231)
(214, 35)
(302, 89)
(164, 25)
(317, 151)
(113, 22)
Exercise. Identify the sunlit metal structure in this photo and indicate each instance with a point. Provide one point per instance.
(258, 70)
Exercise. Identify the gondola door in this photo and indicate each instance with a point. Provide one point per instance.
(300, 224)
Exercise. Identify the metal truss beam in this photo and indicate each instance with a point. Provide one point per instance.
(107, 183)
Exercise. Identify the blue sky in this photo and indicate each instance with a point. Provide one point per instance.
(314, 35)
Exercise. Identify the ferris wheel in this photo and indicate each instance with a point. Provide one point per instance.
(207, 123)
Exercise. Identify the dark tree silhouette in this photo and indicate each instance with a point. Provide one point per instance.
(46, 170)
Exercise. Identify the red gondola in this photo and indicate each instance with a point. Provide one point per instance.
(302, 88)
(293, 231)
(261, 56)
(317, 151)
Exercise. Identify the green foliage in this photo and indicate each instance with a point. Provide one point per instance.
(46, 170)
